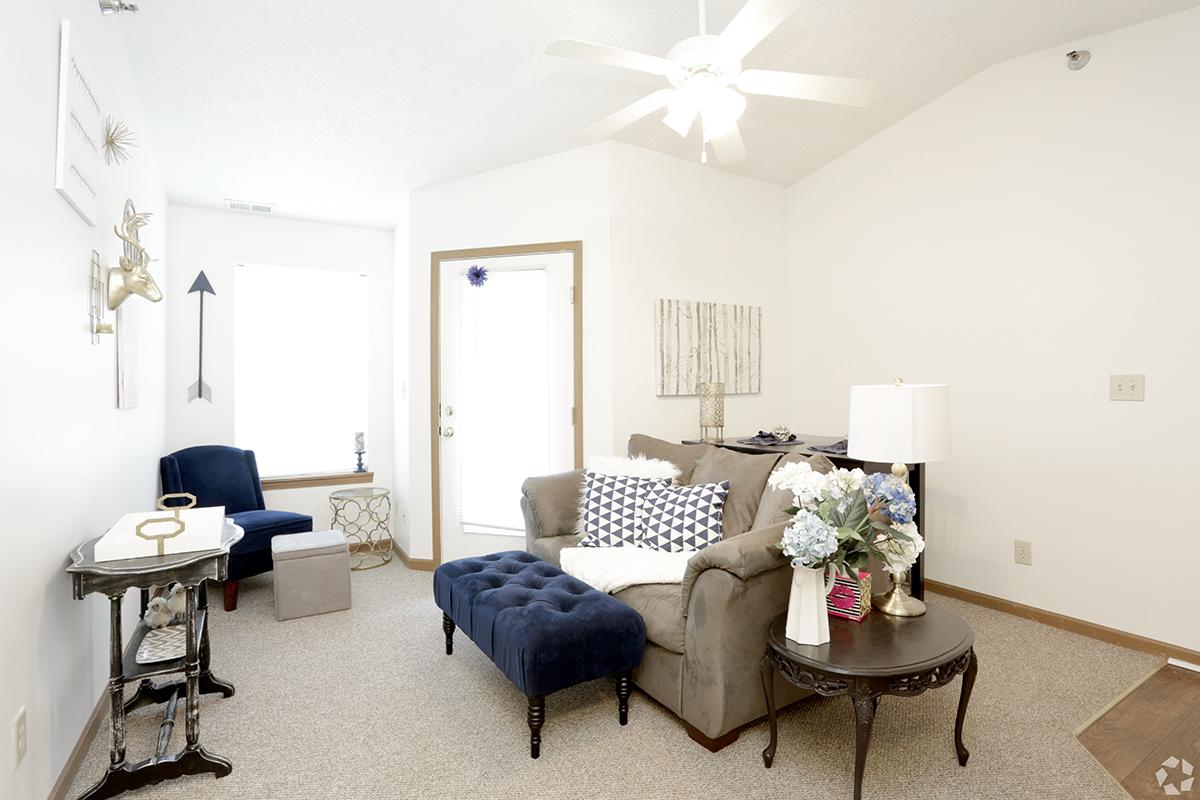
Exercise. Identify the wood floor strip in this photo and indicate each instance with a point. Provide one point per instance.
(1152, 725)
(1112, 703)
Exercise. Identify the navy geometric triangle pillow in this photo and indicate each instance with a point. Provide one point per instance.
(683, 518)
(610, 516)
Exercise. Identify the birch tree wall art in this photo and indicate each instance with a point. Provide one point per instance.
(699, 342)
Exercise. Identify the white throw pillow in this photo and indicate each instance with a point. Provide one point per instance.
(683, 518)
(633, 467)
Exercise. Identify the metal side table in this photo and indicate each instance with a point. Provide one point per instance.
(113, 579)
(364, 514)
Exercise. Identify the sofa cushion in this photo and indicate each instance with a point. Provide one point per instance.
(260, 526)
(683, 456)
(774, 501)
(747, 476)
(658, 603)
(548, 548)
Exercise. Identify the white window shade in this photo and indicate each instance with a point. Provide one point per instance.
(300, 367)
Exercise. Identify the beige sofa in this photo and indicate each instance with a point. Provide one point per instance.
(705, 639)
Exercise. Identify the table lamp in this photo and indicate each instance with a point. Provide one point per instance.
(901, 423)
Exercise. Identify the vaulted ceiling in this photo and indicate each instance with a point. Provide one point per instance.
(334, 110)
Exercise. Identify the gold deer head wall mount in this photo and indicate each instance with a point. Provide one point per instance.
(133, 276)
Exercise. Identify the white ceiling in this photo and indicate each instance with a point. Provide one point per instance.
(334, 110)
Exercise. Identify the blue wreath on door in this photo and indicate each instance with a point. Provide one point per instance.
(477, 276)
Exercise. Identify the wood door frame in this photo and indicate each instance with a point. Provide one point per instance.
(435, 352)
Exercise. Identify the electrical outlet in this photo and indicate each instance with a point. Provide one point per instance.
(1127, 387)
(20, 737)
(1023, 552)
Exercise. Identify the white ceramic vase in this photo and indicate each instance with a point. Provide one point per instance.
(808, 617)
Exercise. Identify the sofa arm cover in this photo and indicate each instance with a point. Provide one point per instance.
(744, 556)
(725, 636)
(551, 504)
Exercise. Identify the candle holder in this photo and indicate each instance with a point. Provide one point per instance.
(360, 447)
(712, 411)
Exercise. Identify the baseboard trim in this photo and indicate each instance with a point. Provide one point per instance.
(74, 761)
(1090, 629)
(422, 564)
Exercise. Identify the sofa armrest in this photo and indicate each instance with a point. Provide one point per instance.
(744, 556)
(725, 636)
(550, 504)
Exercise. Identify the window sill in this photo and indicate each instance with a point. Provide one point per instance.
(316, 479)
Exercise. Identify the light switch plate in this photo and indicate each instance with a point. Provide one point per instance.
(1127, 387)
(20, 737)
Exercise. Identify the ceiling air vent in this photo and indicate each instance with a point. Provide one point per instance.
(246, 205)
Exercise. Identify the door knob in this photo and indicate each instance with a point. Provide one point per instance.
(447, 431)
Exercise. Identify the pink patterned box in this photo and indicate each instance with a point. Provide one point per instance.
(851, 597)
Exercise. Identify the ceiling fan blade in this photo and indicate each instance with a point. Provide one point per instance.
(626, 116)
(729, 146)
(818, 88)
(613, 56)
(754, 23)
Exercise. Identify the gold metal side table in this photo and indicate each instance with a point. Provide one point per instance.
(364, 515)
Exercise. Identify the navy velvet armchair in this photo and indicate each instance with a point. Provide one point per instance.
(226, 476)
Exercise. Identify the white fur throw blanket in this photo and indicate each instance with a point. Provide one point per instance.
(611, 569)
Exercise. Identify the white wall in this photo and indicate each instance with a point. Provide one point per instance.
(683, 230)
(652, 226)
(72, 462)
(557, 198)
(1020, 238)
(214, 241)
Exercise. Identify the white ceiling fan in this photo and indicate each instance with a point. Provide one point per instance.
(707, 79)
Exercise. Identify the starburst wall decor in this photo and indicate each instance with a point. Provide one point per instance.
(118, 142)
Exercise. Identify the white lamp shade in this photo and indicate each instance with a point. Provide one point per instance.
(904, 424)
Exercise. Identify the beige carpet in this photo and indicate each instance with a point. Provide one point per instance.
(366, 704)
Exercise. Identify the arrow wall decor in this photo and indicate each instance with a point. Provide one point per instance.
(200, 390)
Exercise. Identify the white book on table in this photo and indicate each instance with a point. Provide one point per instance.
(201, 531)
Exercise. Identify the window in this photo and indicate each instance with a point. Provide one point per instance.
(300, 367)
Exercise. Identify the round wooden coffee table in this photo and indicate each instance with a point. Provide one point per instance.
(881, 655)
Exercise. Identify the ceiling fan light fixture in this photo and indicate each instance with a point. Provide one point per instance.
(681, 113)
(721, 110)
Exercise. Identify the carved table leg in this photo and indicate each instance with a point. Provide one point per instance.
(209, 683)
(768, 683)
(864, 716)
(968, 683)
(448, 629)
(108, 785)
(195, 759)
(624, 688)
(536, 716)
(116, 684)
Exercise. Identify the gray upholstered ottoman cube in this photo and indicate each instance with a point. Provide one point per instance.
(312, 573)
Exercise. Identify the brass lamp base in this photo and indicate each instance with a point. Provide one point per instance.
(897, 602)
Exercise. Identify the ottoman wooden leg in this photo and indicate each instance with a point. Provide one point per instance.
(537, 715)
(624, 687)
(448, 629)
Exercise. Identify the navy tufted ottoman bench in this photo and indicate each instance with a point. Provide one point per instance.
(544, 629)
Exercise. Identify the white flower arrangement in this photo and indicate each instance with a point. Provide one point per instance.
(845, 517)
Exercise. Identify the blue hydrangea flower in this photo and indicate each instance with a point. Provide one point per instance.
(899, 502)
(809, 540)
(477, 276)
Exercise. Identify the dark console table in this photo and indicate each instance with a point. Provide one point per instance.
(882, 655)
(916, 478)
(113, 579)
